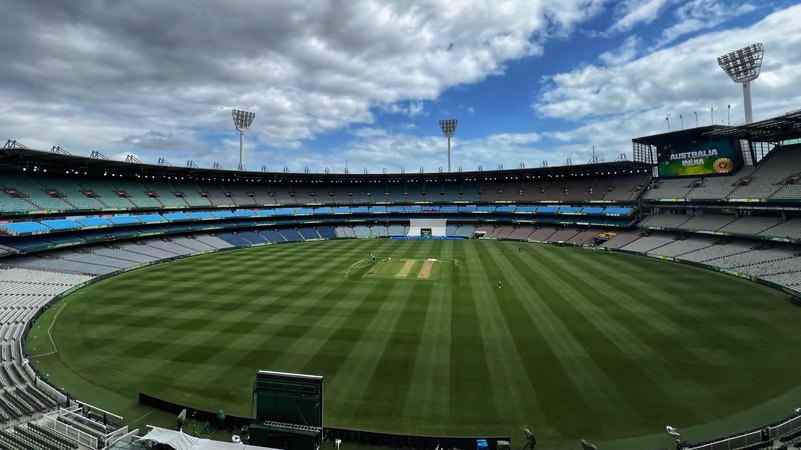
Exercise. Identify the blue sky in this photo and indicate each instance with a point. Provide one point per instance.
(366, 81)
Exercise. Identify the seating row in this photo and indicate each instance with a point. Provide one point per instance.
(42, 192)
(760, 226)
(48, 226)
(776, 262)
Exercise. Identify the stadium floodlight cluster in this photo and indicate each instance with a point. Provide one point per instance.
(242, 121)
(743, 67)
(448, 127)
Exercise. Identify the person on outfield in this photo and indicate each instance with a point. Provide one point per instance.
(499, 285)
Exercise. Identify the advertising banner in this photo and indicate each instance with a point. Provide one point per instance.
(717, 157)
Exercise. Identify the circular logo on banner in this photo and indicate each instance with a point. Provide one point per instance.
(723, 165)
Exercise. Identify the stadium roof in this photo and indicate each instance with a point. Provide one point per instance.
(24, 159)
(776, 129)
(688, 135)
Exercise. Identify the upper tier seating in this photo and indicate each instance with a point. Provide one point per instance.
(717, 187)
(34, 193)
(165, 194)
(72, 193)
(138, 194)
(620, 188)
(765, 182)
(43, 192)
(106, 193)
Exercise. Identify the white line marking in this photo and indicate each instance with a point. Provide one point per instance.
(137, 420)
(49, 333)
(352, 265)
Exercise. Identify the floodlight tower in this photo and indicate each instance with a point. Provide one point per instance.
(448, 129)
(242, 122)
(743, 67)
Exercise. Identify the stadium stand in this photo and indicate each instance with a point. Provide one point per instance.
(790, 229)
(683, 245)
(751, 225)
(106, 193)
(35, 193)
(709, 222)
(70, 192)
(769, 177)
(648, 243)
(168, 219)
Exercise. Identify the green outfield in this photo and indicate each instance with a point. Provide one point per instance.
(574, 343)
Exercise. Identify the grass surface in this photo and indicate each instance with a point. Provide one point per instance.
(575, 344)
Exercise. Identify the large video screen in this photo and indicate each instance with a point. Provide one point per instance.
(717, 157)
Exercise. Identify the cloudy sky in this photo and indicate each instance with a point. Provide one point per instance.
(366, 81)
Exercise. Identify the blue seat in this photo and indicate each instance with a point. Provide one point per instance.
(62, 224)
(176, 217)
(25, 227)
(617, 211)
(200, 215)
(151, 218)
(308, 233)
(93, 222)
(124, 220)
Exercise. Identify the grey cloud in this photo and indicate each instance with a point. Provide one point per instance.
(128, 68)
(156, 140)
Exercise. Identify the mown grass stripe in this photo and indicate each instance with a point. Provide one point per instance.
(349, 383)
(576, 361)
(506, 367)
(621, 349)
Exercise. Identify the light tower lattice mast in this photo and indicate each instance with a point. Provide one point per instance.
(743, 67)
(448, 129)
(242, 121)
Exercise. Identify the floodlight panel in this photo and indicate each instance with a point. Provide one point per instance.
(743, 65)
(242, 119)
(448, 127)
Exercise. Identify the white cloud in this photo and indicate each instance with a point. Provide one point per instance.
(410, 109)
(138, 69)
(682, 77)
(376, 149)
(610, 104)
(625, 53)
(636, 12)
(697, 15)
